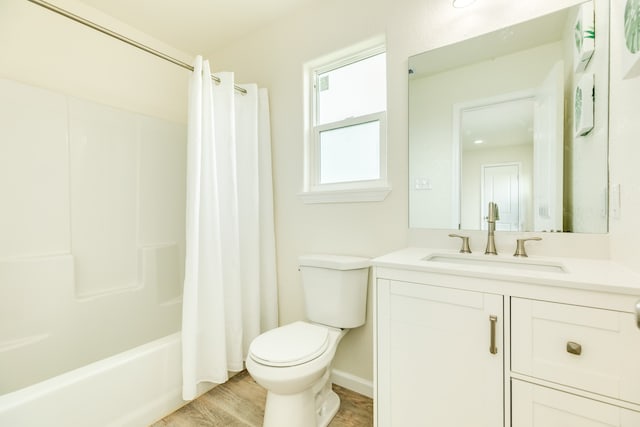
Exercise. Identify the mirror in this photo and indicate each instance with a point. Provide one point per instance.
(518, 117)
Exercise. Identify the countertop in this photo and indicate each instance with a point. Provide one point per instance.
(578, 273)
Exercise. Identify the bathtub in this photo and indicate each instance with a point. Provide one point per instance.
(133, 388)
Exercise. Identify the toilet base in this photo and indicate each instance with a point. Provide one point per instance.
(314, 407)
(329, 409)
(290, 410)
(327, 401)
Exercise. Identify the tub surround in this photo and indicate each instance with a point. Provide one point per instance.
(101, 272)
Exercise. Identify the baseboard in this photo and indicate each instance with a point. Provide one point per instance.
(352, 382)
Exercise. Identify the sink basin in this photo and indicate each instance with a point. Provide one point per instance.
(493, 262)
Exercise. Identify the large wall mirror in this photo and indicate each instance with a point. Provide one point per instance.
(518, 117)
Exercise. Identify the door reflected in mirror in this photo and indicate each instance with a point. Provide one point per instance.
(497, 152)
(491, 119)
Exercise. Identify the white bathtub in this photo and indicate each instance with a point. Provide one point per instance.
(134, 388)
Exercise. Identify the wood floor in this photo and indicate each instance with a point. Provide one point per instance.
(240, 403)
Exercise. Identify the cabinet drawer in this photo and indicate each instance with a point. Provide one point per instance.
(537, 406)
(586, 348)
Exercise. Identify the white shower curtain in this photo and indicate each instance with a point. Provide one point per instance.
(230, 293)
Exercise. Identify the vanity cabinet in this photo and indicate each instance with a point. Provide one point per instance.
(441, 354)
(473, 346)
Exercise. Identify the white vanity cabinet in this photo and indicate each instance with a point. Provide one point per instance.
(444, 347)
(459, 345)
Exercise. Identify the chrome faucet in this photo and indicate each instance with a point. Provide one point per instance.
(492, 217)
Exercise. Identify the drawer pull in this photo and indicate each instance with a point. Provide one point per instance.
(638, 314)
(574, 348)
(493, 320)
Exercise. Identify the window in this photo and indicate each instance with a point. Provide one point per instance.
(346, 145)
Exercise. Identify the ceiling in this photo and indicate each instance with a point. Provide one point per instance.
(198, 26)
(525, 35)
(502, 124)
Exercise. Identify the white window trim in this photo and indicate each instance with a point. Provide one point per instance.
(344, 192)
(346, 195)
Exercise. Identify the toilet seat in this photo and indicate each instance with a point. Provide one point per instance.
(290, 345)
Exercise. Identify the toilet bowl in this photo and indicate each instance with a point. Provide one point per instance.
(293, 362)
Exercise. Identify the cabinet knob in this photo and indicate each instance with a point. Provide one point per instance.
(574, 348)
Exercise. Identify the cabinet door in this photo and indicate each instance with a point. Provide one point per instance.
(436, 364)
(537, 406)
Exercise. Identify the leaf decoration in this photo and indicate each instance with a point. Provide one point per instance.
(577, 106)
(632, 25)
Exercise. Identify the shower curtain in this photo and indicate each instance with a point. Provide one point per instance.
(230, 293)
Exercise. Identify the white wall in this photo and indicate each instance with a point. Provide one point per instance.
(274, 57)
(47, 50)
(624, 150)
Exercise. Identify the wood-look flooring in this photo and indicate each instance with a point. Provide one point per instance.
(240, 403)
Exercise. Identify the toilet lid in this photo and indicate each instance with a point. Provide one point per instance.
(290, 345)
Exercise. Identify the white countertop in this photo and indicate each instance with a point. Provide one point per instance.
(578, 273)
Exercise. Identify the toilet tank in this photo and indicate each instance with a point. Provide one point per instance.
(335, 289)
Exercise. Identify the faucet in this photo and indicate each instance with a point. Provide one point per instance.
(492, 217)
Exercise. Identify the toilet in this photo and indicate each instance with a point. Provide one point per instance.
(293, 362)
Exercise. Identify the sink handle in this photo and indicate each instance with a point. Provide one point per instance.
(464, 249)
(520, 251)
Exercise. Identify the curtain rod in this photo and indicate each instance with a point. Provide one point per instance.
(122, 38)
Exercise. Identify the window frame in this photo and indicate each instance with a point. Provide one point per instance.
(349, 191)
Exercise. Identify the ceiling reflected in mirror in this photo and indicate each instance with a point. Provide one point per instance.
(462, 3)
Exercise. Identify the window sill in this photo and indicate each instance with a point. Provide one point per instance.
(350, 195)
